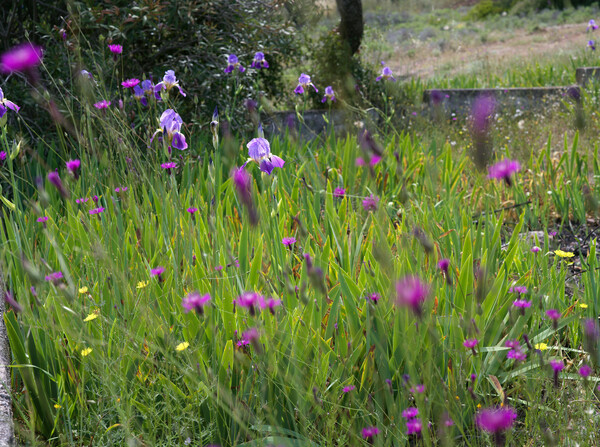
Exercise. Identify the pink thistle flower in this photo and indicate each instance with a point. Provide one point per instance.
(102, 104)
(73, 167)
(116, 49)
(414, 426)
(585, 371)
(97, 210)
(339, 192)
(288, 241)
(504, 170)
(410, 413)
(370, 203)
(368, 433)
(535, 249)
(195, 302)
(347, 389)
(494, 420)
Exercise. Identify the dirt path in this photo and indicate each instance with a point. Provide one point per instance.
(469, 57)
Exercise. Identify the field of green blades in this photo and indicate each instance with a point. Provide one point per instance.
(406, 301)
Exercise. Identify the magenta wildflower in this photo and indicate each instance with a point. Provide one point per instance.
(370, 203)
(259, 61)
(518, 289)
(21, 58)
(339, 192)
(410, 413)
(554, 315)
(271, 304)
(158, 271)
(82, 200)
(373, 297)
(470, 343)
(411, 292)
(116, 49)
(288, 241)
(585, 371)
(192, 210)
(3, 154)
(168, 166)
(443, 265)
(504, 170)
(8, 297)
(54, 277)
(96, 210)
(233, 63)
(121, 189)
(418, 389)
(494, 420)
(303, 83)
(73, 167)
(329, 94)
(513, 344)
(347, 389)
(195, 302)
(252, 336)
(414, 426)
(102, 104)
(386, 73)
(42, 219)
(251, 301)
(169, 81)
(557, 366)
(535, 249)
(517, 355)
(130, 83)
(522, 305)
(54, 178)
(368, 433)
(4, 104)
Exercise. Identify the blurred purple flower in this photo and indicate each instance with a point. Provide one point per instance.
(517, 355)
(82, 200)
(414, 426)
(504, 170)
(373, 297)
(368, 433)
(303, 83)
(54, 178)
(259, 150)
(585, 371)
(592, 25)
(259, 61)
(444, 264)
(21, 58)
(242, 182)
(370, 203)
(96, 210)
(288, 241)
(329, 94)
(535, 249)
(195, 302)
(339, 192)
(411, 292)
(54, 277)
(410, 413)
(42, 219)
(8, 297)
(494, 420)
(518, 289)
(73, 167)
(347, 389)
(470, 343)
(102, 104)
(591, 45)
(139, 94)
(233, 63)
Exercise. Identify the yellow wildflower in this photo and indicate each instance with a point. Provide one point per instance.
(85, 352)
(541, 346)
(142, 284)
(583, 306)
(92, 316)
(563, 254)
(83, 290)
(57, 406)
(182, 346)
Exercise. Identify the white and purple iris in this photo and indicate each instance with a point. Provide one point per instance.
(169, 81)
(591, 44)
(234, 63)
(386, 73)
(170, 124)
(592, 25)
(329, 94)
(259, 61)
(6, 104)
(303, 83)
(259, 151)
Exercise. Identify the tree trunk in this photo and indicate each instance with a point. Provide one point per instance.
(351, 26)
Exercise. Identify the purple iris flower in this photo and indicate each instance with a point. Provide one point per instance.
(303, 83)
(259, 150)
(234, 63)
(139, 94)
(386, 73)
(147, 86)
(170, 124)
(592, 25)
(591, 44)
(259, 61)
(329, 94)
(5, 103)
(169, 81)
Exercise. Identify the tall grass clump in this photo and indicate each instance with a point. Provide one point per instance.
(174, 287)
